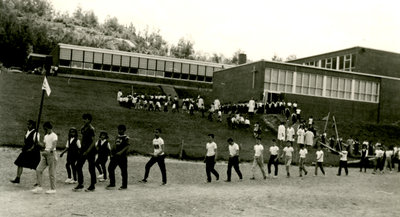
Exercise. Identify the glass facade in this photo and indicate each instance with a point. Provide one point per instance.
(151, 67)
(285, 81)
(345, 62)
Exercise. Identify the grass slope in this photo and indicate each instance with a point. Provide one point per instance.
(70, 98)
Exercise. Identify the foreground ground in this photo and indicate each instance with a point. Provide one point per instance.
(186, 194)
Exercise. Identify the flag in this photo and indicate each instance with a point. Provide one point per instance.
(46, 86)
(325, 118)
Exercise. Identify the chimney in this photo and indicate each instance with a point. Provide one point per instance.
(242, 58)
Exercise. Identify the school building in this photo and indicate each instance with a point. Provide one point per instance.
(356, 84)
(128, 66)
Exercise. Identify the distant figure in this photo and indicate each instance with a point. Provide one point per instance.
(281, 133)
(273, 159)
(320, 160)
(303, 153)
(119, 95)
(288, 154)
(364, 158)
(258, 158)
(252, 106)
(343, 162)
(309, 138)
(210, 159)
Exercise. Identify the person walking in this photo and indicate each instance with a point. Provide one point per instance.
(258, 159)
(233, 160)
(49, 159)
(158, 157)
(210, 159)
(30, 155)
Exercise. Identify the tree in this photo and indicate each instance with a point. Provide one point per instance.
(111, 25)
(276, 58)
(183, 50)
(291, 57)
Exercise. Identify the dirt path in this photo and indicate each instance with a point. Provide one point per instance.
(187, 194)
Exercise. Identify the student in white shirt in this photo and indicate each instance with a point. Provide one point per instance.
(49, 159)
(158, 157)
(300, 135)
(258, 158)
(378, 158)
(303, 153)
(290, 134)
(389, 154)
(309, 138)
(343, 162)
(210, 159)
(233, 160)
(320, 160)
(281, 133)
(288, 153)
(273, 159)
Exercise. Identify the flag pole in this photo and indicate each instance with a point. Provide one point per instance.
(337, 134)
(39, 116)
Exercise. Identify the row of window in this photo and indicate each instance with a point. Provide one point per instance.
(119, 61)
(137, 71)
(345, 62)
(319, 85)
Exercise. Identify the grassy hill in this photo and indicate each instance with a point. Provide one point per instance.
(70, 98)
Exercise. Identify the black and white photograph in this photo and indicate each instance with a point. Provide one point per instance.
(199, 108)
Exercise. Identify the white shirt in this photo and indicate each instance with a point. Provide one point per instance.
(343, 155)
(298, 111)
(303, 153)
(233, 149)
(274, 150)
(320, 156)
(78, 143)
(157, 143)
(389, 153)
(281, 132)
(211, 147)
(300, 136)
(217, 103)
(252, 105)
(119, 95)
(379, 153)
(247, 121)
(309, 137)
(290, 134)
(48, 140)
(288, 151)
(258, 150)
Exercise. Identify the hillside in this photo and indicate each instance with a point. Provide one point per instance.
(70, 98)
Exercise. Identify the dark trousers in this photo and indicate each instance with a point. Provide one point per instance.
(319, 164)
(92, 169)
(274, 161)
(363, 164)
(71, 165)
(122, 163)
(101, 166)
(210, 163)
(233, 162)
(343, 164)
(161, 163)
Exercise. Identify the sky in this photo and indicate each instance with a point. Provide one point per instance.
(259, 28)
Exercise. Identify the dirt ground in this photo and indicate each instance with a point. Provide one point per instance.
(187, 194)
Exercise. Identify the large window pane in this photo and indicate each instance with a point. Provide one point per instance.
(151, 64)
(169, 66)
(65, 54)
(143, 63)
(125, 61)
(77, 55)
(107, 59)
(160, 65)
(274, 76)
(98, 58)
(116, 60)
(282, 77)
(134, 62)
(177, 67)
(267, 77)
(88, 57)
(193, 69)
(185, 68)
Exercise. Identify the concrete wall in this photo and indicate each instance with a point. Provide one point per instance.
(389, 101)
(236, 84)
(378, 62)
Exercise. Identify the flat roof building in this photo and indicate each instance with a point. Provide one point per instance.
(327, 85)
(113, 64)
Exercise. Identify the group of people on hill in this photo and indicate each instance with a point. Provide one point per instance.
(39, 154)
(161, 103)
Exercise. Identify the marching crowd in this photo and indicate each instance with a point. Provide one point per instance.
(39, 154)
